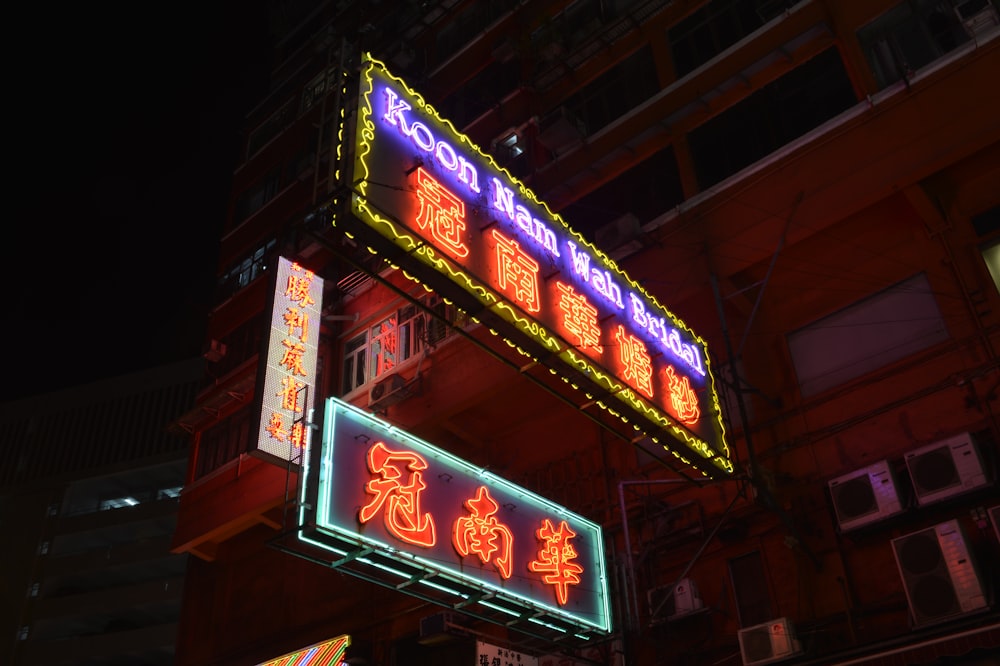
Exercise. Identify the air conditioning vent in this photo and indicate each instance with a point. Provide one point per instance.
(939, 576)
(387, 392)
(944, 469)
(768, 642)
(685, 599)
(864, 496)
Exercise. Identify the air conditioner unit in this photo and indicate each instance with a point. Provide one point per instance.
(865, 496)
(768, 642)
(438, 628)
(685, 599)
(944, 469)
(387, 392)
(618, 232)
(939, 575)
(977, 16)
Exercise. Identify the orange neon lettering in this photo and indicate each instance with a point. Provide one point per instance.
(297, 288)
(297, 319)
(276, 427)
(482, 534)
(398, 490)
(292, 359)
(579, 317)
(297, 436)
(638, 366)
(555, 559)
(289, 394)
(443, 213)
(682, 397)
(517, 273)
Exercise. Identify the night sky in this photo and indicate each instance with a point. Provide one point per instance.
(126, 128)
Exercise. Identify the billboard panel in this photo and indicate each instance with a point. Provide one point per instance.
(427, 190)
(286, 393)
(379, 490)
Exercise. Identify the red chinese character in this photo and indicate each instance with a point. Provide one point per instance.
(443, 213)
(579, 317)
(682, 397)
(398, 490)
(638, 366)
(517, 272)
(289, 394)
(297, 288)
(481, 533)
(292, 359)
(554, 559)
(297, 319)
(276, 427)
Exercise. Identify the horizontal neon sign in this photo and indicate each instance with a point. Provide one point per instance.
(389, 491)
(428, 189)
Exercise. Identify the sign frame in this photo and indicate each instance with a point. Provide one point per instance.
(422, 192)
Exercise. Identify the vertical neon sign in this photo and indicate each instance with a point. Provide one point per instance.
(286, 393)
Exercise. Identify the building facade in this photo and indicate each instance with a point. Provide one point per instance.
(811, 188)
(89, 492)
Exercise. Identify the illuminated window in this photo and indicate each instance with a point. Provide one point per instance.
(867, 335)
(380, 349)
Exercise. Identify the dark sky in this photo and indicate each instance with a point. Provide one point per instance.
(126, 129)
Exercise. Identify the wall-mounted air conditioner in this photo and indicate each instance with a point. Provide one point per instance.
(865, 496)
(768, 642)
(685, 599)
(946, 468)
(939, 575)
(439, 628)
(387, 392)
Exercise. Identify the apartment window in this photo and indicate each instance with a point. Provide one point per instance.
(778, 113)
(917, 32)
(647, 190)
(382, 347)
(481, 93)
(867, 335)
(469, 24)
(248, 269)
(315, 89)
(753, 601)
(619, 90)
(271, 127)
(715, 27)
(256, 197)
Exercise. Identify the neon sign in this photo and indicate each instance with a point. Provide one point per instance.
(382, 490)
(327, 653)
(286, 392)
(427, 190)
